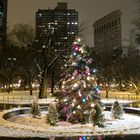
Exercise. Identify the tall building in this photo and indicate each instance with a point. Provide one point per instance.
(3, 22)
(107, 32)
(59, 24)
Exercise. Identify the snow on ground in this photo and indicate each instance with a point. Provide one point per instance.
(132, 108)
(51, 100)
(128, 121)
(129, 124)
(112, 101)
(46, 101)
(43, 113)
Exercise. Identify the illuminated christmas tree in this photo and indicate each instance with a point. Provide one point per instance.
(79, 89)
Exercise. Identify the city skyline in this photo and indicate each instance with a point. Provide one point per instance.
(89, 12)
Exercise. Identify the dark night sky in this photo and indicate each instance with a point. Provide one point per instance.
(23, 11)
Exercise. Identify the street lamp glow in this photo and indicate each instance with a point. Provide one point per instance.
(43, 46)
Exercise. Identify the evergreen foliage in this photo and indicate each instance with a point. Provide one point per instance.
(35, 109)
(96, 115)
(117, 110)
(79, 90)
(52, 115)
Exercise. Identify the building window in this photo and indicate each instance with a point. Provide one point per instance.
(40, 14)
(102, 28)
(95, 31)
(112, 23)
(109, 24)
(119, 19)
(115, 21)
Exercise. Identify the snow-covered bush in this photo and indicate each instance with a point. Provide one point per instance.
(35, 109)
(117, 110)
(52, 115)
(96, 116)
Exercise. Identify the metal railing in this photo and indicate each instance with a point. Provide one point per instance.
(29, 99)
(16, 99)
(130, 97)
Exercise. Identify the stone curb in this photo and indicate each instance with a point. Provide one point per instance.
(69, 131)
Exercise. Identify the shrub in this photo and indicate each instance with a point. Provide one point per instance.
(96, 116)
(52, 115)
(117, 110)
(35, 109)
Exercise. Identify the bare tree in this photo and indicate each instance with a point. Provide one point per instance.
(23, 34)
(24, 37)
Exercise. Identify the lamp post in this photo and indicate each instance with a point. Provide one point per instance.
(11, 68)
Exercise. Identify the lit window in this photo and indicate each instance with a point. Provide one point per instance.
(40, 14)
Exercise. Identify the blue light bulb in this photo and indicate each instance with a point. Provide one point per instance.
(74, 53)
(84, 138)
(94, 70)
(83, 100)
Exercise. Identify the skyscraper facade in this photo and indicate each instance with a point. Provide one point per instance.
(107, 32)
(3, 22)
(59, 24)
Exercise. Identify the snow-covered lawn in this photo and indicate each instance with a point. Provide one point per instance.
(112, 101)
(129, 124)
(24, 125)
(50, 100)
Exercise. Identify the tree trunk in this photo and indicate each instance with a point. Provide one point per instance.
(8, 90)
(52, 82)
(107, 94)
(120, 84)
(31, 89)
(42, 90)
